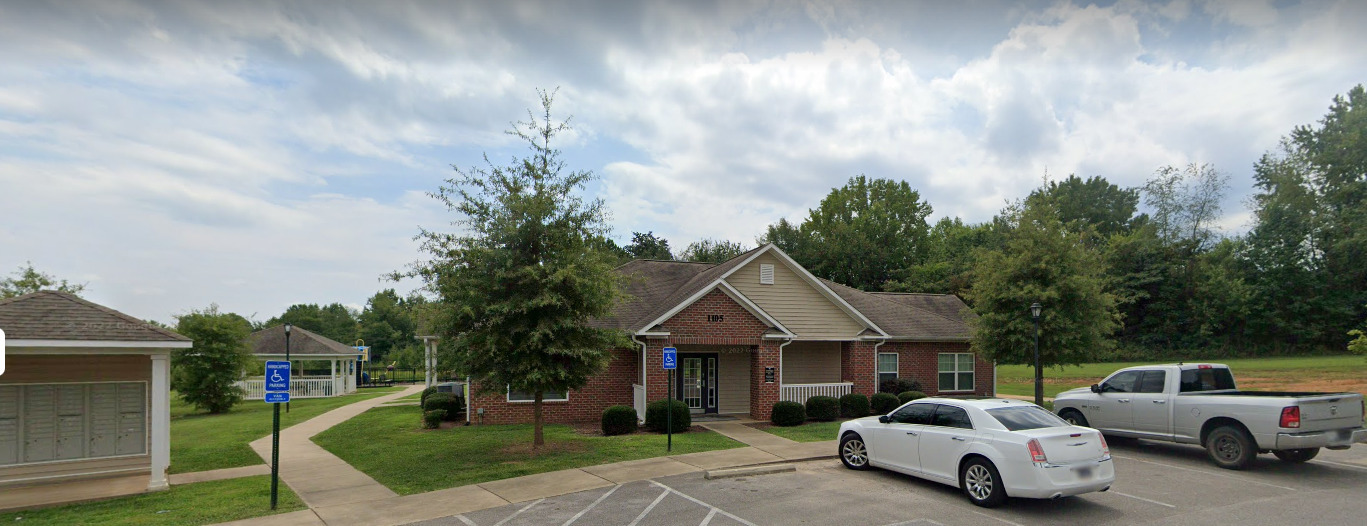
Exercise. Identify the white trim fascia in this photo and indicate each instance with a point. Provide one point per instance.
(735, 295)
(822, 288)
(299, 356)
(79, 351)
(653, 334)
(916, 339)
(113, 344)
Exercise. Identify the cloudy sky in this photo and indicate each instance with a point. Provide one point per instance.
(256, 155)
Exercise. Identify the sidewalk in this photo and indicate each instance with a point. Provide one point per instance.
(781, 448)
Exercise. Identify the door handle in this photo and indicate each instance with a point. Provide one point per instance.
(912, 433)
(1160, 401)
(1124, 400)
(960, 439)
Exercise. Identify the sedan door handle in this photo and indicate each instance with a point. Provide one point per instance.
(960, 439)
(1160, 401)
(912, 433)
(1123, 400)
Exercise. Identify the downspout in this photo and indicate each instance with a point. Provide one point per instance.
(875, 363)
(641, 418)
(780, 366)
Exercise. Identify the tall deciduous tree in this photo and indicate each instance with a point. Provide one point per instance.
(712, 251)
(1092, 205)
(27, 280)
(647, 246)
(206, 374)
(1042, 261)
(333, 320)
(521, 281)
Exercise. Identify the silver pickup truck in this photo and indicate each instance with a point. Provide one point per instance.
(1199, 404)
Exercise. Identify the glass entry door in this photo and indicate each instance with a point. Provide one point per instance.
(697, 382)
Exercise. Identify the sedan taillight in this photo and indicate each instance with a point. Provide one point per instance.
(1105, 449)
(1036, 452)
(1291, 417)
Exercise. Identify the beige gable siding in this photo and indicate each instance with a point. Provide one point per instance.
(733, 382)
(811, 363)
(794, 302)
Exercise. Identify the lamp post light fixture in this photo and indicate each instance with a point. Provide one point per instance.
(287, 358)
(1039, 375)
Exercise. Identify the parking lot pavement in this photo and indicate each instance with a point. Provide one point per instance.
(1157, 483)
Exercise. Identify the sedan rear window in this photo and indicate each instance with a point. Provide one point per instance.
(1020, 418)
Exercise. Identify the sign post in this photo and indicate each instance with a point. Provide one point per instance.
(277, 392)
(671, 362)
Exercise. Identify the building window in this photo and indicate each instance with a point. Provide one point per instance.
(548, 396)
(956, 371)
(887, 367)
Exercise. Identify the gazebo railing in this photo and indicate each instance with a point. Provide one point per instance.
(300, 387)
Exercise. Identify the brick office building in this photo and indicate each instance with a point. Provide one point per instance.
(757, 329)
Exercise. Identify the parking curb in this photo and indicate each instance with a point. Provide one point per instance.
(768, 469)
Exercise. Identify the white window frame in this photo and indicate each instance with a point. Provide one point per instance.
(530, 400)
(971, 370)
(896, 364)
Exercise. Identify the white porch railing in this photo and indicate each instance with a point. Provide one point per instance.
(801, 392)
(638, 398)
(300, 387)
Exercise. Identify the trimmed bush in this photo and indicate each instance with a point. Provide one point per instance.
(449, 402)
(432, 419)
(899, 385)
(788, 414)
(854, 405)
(883, 403)
(907, 396)
(422, 400)
(619, 420)
(656, 416)
(823, 408)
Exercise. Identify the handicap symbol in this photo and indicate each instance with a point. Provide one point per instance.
(275, 377)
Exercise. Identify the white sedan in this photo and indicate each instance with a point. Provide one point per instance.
(990, 448)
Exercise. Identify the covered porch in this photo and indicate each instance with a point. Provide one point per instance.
(304, 346)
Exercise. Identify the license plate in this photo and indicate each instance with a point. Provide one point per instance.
(1083, 472)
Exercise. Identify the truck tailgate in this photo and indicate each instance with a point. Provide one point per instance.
(1336, 411)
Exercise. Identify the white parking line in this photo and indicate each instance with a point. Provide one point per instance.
(586, 510)
(708, 519)
(701, 503)
(652, 505)
(466, 520)
(1340, 464)
(518, 512)
(976, 512)
(1150, 501)
(1241, 479)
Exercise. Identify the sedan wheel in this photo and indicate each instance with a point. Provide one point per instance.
(982, 483)
(853, 453)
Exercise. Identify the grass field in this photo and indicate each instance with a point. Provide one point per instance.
(1304, 373)
(201, 441)
(188, 504)
(387, 444)
(808, 432)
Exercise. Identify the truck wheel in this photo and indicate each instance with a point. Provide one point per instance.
(1296, 455)
(1074, 417)
(1231, 448)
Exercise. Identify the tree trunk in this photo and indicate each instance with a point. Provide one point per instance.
(538, 439)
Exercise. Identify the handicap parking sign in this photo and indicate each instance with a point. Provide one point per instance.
(671, 360)
(277, 377)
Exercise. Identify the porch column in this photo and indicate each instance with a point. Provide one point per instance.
(332, 377)
(161, 421)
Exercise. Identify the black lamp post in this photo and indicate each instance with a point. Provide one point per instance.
(1039, 375)
(287, 358)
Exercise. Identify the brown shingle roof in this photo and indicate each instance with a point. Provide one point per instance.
(905, 317)
(272, 341)
(53, 315)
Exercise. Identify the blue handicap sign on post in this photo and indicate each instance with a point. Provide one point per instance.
(277, 398)
(277, 377)
(671, 360)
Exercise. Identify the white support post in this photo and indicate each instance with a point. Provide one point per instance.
(336, 389)
(161, 421)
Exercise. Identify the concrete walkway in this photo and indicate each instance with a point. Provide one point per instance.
(782, 448)
(317, 476)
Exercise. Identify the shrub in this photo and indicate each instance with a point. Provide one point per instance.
(907, 396)
(619, 420)
(449, 402)
(899, 385)
(422, 400)
(656, 416)
(432, 419)
(883, 403)
(788, 414)
(823, 408)
(854, 405)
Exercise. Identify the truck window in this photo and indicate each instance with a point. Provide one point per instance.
(1152, 382)
(1121, 383)
(1213, 379)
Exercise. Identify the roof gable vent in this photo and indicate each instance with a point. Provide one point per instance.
(766, 274)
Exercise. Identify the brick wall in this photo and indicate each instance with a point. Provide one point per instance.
(920, 360)
(612, 387)
(858, 365)
(763, 395)
(737, 326)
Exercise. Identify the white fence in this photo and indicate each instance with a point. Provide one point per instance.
(639, 401)
(300, 387)
(801, 392)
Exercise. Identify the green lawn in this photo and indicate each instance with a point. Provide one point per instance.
(189, 504)
(387, 444)
(808, 432)
(1286, 371)
(201, 441)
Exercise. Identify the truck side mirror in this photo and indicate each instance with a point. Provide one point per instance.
(1096, 389)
